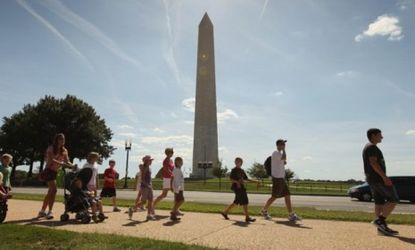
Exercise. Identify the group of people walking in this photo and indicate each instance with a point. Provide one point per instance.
(383, 190)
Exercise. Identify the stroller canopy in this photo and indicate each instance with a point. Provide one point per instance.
(85, 175)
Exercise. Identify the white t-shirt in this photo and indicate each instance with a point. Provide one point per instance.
(277, 165)
(138, 178)
(94, 167)
(178, 180)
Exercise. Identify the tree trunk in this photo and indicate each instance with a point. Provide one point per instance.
(42, 162)
(30, 173)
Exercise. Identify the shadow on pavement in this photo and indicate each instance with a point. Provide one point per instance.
(161, 217)
(21, 221)
(171, 223)
(241, 223)
(406, 239)
(292, 224)
(54, 223)
(132, 223)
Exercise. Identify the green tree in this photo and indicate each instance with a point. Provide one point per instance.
(219, 172)
(257, 171)
(289, 174)
(27, 133)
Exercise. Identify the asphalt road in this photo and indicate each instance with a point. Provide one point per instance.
(318, 202)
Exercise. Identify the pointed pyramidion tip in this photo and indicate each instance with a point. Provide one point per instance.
(206, 20)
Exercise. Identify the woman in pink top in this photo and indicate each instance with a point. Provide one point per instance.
(56, 156)
(167, 173)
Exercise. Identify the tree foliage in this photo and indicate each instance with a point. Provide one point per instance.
(219, 171)
(257, 171)
(27, 133)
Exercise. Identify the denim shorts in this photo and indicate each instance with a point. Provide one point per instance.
(382, 194)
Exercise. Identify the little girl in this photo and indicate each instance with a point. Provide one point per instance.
(92, 164)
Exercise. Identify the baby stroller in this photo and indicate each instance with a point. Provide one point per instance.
(3, 206)
(75, 203)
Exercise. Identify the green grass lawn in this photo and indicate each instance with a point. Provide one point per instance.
(32, 237)
(306, 213)
(299, 187)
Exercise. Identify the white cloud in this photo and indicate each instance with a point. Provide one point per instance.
(410, 132)
(170, 140)
(52, 29)
(384, 25)
(189, 122)
(89, 29)
(124, 126)
(264, 7)
(189, 104)
(279, 93)
(227, 114)
(307, 158)
(129, 135)
(158, 130)
(348, 73)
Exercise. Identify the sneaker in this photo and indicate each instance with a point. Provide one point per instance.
(250, 219)
(179, 213)
(151, 217)
(49, 215)
(41, 214)
(116, 209)
(174, 217)
(378, 223)
(294, 217)
(130, 213)
(264, 213)
(389, 230)
(225, 215)
(382, 227)
(142, 209)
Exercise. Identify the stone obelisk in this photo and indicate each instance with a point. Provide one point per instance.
(205, 140)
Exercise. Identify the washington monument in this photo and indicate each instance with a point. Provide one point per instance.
(205, 139)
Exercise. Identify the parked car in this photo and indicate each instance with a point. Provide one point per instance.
(405, 186)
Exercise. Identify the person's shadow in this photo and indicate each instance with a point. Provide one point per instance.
(406, 239)
(292, 224)
(171, 223)
(132, 223)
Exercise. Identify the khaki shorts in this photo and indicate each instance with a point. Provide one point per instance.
(279, 188)
(146, 194)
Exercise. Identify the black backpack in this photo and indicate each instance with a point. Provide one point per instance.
(267, 165)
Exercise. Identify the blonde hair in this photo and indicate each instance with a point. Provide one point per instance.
(92, 155)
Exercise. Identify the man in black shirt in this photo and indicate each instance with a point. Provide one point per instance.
(384, 193)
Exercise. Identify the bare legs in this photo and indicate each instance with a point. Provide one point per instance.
(161, 196)
(271, 200)
(384, 210)
(49, 199)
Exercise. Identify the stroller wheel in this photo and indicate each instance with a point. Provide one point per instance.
(86, 219)
(64, 217)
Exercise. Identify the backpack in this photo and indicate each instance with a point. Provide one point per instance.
(267, 165)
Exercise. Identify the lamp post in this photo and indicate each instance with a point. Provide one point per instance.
(127, 148)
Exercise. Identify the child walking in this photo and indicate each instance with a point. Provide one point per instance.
(109, 189)
(3, 192)
(146, 188)
(6, 170)
(177, 186)
(238, 177)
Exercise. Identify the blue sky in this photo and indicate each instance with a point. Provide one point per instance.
(318, 73)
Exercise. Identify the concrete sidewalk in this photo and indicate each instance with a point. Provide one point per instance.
(212, 230)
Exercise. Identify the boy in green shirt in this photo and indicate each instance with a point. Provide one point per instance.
(6, 170)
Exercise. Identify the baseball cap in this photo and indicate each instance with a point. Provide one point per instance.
(281, 141)
(147, 158)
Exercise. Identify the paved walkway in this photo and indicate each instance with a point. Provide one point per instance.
(212, 230)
